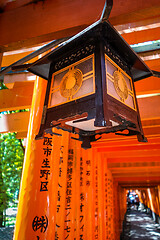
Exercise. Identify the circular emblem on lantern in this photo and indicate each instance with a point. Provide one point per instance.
(120, 85)
(71, 83)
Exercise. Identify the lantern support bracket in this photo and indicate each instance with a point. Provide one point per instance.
(49, 130)
(140, 138)
(124, 122)
(86, 140)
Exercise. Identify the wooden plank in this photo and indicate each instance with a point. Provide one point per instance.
(46, 21)
(21, 135)
(11, 57)
(20, 97)
(142, 36)
(14, 122)
(153, 64)
(135, 153)
(125, 142)
(137, 174)
(135, 169)
(18, 77)
(140, 179)
(10, 5)
(133, 160)
(137, 11)
(1, 56)
(20, 23)
(148, 84)
(149, 107)
(153, 131)
(143, 147)
(149, 23)
(131, 154)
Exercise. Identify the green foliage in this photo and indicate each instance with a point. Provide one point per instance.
(2, 86)
(14, 111)
(11, 160)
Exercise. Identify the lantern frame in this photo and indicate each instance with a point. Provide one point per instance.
(102, 41)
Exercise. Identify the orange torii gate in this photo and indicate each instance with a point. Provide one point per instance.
(66, 188)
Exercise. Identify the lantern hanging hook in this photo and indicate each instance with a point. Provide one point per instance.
(106, 10)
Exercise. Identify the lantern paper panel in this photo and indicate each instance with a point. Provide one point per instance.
(119, 84)
(73, 82)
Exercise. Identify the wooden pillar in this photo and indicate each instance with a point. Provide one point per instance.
(117, 201)
(1, 178)
(66, 192)
(1, 56)
(31, 200)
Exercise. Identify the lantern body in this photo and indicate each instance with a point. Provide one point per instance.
(90, 87)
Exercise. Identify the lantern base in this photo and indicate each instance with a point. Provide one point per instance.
(84, 124)
(85, 127)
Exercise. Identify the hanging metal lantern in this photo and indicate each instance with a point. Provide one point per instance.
(90, 87)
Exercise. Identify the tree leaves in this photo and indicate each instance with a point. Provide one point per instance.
(11, 161)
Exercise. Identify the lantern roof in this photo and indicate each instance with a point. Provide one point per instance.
(138, 68)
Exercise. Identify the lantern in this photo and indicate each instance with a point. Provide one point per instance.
(90, 87)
